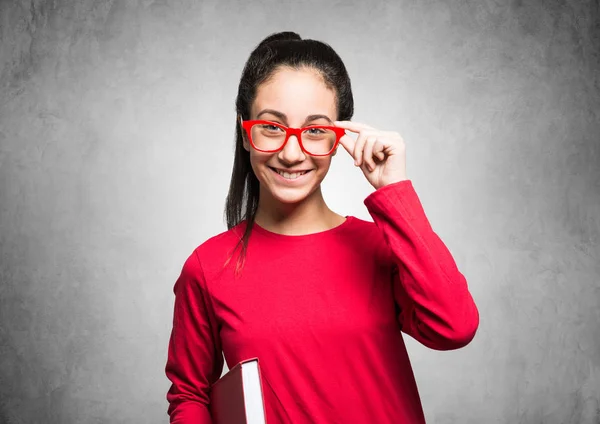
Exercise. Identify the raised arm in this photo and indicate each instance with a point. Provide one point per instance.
(436, 307)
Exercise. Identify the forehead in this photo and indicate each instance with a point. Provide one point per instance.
(296, 93)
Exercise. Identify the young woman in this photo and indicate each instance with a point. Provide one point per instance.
(320, 298)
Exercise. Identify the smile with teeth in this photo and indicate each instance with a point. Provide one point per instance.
(290, 176)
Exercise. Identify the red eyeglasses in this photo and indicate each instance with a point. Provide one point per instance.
(315, 140)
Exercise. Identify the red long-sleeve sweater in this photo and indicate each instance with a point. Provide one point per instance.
(324, 313)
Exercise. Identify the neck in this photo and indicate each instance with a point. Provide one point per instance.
(307, 216)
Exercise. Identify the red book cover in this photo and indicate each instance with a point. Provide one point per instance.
(237, 397)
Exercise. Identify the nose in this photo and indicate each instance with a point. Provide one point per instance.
(292, 152)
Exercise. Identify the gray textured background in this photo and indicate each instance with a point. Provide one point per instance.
(116, 147)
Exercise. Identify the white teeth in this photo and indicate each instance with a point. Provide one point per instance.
(290, 176)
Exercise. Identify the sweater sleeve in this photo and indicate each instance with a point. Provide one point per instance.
(194, 359)
(436, 307)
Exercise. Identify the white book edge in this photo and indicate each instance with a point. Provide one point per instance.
(253, 397)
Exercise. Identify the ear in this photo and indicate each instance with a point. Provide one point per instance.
(245, 142)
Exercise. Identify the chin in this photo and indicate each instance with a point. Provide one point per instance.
(290, 194)
(290, 198)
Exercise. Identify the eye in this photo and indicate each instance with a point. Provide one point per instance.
(270, 127)
(315, 131)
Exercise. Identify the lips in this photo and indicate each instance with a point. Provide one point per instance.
(300, 177)
(289, 172)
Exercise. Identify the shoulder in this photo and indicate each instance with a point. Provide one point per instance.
(362, 224)
(218, 245)
(201, 263)
(363, 228)
(212, 253)
(369, 239)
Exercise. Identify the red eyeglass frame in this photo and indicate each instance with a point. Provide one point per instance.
(247, 125)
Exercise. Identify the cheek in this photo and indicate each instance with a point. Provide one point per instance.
(259, 165)
(323, 165)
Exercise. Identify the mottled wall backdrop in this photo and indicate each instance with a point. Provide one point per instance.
(116, 146)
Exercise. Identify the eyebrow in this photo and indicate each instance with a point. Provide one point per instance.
(283, 117)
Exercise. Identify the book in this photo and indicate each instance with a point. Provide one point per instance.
(237, 397)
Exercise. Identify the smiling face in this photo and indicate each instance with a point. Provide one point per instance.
(294, 98)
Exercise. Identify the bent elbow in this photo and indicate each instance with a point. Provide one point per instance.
(457, 333)
(464, 331)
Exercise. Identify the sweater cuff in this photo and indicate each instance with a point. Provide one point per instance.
(399, 197)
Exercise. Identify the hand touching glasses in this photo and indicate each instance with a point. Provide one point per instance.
(380, 154)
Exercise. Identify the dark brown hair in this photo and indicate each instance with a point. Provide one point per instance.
(283, 49)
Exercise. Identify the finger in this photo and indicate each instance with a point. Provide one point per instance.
(378, 149)
(353, 126)
(368, 153)
(348, 143)
(359, 147)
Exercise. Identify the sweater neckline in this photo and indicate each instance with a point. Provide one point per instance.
(331, 231)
